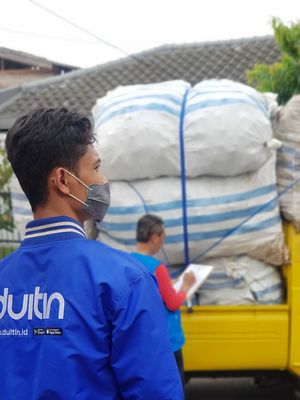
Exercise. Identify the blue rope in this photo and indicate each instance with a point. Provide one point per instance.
(183, 180)
(230, 232)
(140, 197)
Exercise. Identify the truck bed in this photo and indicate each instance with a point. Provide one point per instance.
(240, 338)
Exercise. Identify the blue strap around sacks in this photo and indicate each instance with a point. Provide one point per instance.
(183, 180)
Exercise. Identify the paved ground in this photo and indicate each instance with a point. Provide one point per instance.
(233, 389)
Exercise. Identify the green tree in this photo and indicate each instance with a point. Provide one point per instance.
(6, 217)
(282, 77)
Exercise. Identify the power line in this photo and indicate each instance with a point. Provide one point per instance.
(87, 32)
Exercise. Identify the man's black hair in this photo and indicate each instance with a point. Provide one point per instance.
(147, 226)
(42, 140)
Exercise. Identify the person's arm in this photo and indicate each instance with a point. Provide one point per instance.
(172, 299)
(141, 357)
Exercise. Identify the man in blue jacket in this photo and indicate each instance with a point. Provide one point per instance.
(78, 319)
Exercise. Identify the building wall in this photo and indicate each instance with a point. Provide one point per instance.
(9, 78)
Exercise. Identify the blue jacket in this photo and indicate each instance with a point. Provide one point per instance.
(175, 330)
(80, 320)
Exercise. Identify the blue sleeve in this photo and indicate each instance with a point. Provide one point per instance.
(142, 360)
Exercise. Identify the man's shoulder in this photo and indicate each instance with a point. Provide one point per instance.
(115, 258)
(148, 261)
(122, 271)
(104, 249)
(8, 258)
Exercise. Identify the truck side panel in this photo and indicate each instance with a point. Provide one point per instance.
(293, 288)
(236, 338)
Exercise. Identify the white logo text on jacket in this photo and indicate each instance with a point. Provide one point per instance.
(34, 304)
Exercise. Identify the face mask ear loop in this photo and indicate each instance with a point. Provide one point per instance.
(79, 180)
(76, 198)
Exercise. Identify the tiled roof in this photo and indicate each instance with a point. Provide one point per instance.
(191, 62)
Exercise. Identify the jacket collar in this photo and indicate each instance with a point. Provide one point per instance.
(52, 229)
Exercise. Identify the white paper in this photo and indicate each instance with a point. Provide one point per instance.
(201, 273)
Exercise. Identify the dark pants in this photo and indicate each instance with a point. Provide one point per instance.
(179, 361)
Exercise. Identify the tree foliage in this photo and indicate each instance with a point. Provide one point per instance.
(6, 218)
(282, 77)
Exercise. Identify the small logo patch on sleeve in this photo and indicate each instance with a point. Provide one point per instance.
(47, 331)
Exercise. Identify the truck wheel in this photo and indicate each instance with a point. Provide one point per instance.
(296, 393)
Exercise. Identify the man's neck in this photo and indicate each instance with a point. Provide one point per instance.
(144, 248)
(49, 212)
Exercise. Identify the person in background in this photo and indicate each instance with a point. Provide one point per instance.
(150, 236)
(74, 319)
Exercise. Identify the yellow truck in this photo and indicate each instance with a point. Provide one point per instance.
(248, 340)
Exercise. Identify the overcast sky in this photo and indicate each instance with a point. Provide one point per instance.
(131, 25)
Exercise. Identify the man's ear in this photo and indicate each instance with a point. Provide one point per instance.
(59, 180)
(154, 238)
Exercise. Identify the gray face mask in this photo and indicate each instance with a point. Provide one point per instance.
(97, 199)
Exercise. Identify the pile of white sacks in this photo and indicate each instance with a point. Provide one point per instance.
(286, 126)
(232, 203)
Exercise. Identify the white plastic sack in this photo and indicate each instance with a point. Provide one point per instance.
(241, 280)
(226, 216)
(227, 129)
(287, 130)
(138, 130)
